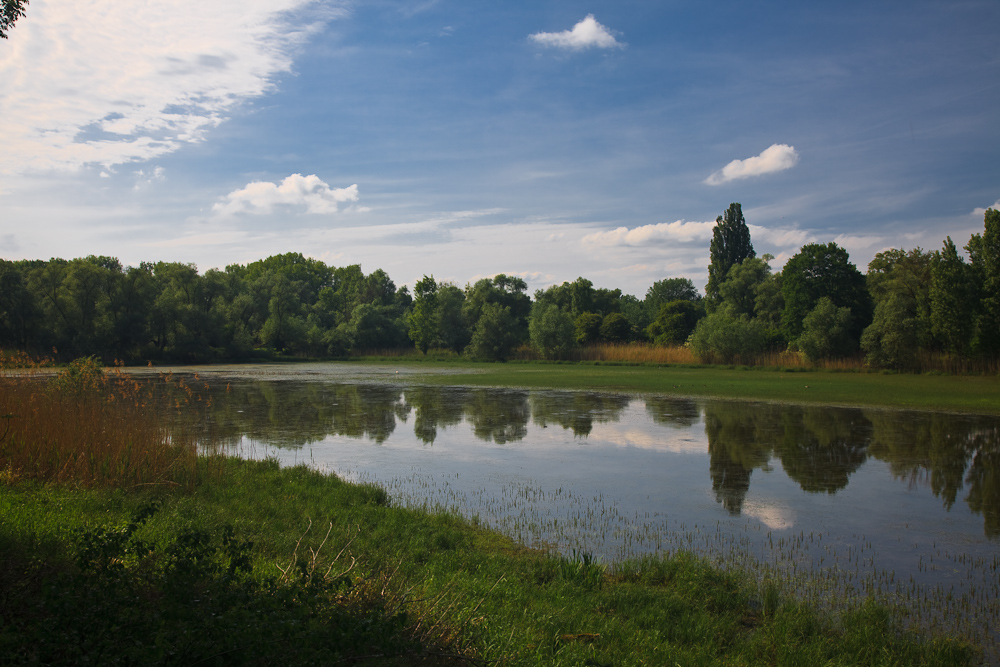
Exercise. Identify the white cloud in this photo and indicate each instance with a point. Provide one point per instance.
(857, 242)
(678, 231)
(980, 212)
(585, 34)
(143, 177)
(778, 157)
(296, 190)
(116, 81)
(773, 516)
(781, 236)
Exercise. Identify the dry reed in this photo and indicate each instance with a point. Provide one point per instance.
(86, 426)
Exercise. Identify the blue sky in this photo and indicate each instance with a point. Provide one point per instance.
(462, 139)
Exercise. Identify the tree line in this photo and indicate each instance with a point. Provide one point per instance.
(819, 304)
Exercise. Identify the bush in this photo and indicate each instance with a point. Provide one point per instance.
(725, 338)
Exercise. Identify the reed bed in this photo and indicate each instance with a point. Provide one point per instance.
(86, 426)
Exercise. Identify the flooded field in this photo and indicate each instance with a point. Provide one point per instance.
(838, 504)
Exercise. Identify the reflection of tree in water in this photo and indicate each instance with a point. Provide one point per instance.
(818, 447)
(435, 407)
(984, 478)
(576, 411)
(367, 411)
(498, 415)
(740, 436)
(672, 411)
(822, 447)
(923, 447)
(291, 414)
(947, 452)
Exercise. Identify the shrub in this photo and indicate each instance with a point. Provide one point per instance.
(725, 338)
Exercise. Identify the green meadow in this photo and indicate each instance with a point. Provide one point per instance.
(978, 394)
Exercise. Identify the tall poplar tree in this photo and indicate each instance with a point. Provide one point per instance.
(730, 245)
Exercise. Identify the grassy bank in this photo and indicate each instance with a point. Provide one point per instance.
(959, 393)
(231, 573)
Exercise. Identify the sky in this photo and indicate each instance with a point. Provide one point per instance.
(465, 138)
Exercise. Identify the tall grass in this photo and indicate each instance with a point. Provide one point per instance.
(85, 426)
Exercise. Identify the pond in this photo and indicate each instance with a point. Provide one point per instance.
(904, 506)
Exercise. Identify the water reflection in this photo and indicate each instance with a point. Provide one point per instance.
(946, 452)
(672, 411)
(576, 411)
(819, 448)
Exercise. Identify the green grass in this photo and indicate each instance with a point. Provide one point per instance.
(175, 576)
(954, 393)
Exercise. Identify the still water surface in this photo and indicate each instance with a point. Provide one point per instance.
(905, 505)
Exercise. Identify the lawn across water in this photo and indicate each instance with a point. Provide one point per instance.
(979, 394)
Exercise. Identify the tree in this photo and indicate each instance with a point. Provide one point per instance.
(375, 327)
(890, 341)
(907, 273)
(502, 290)
(635, 311)
(740, 288)
(672, 289)
(588, 328)
(730, 245)
(667, 291)
(551, 329)
(675, 322)
(423, 319)
(615, 328)
(495, 334)
(20, 315)
(453, 330)
(820, 270)
(826, 332)
(284, 328)
(984, 251)
(10, 12)
(953, 306)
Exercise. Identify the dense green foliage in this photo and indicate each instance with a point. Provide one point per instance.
(819, 271)
(552, 330)
(911, 304)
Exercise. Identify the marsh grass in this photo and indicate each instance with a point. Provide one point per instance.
(86, 425)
